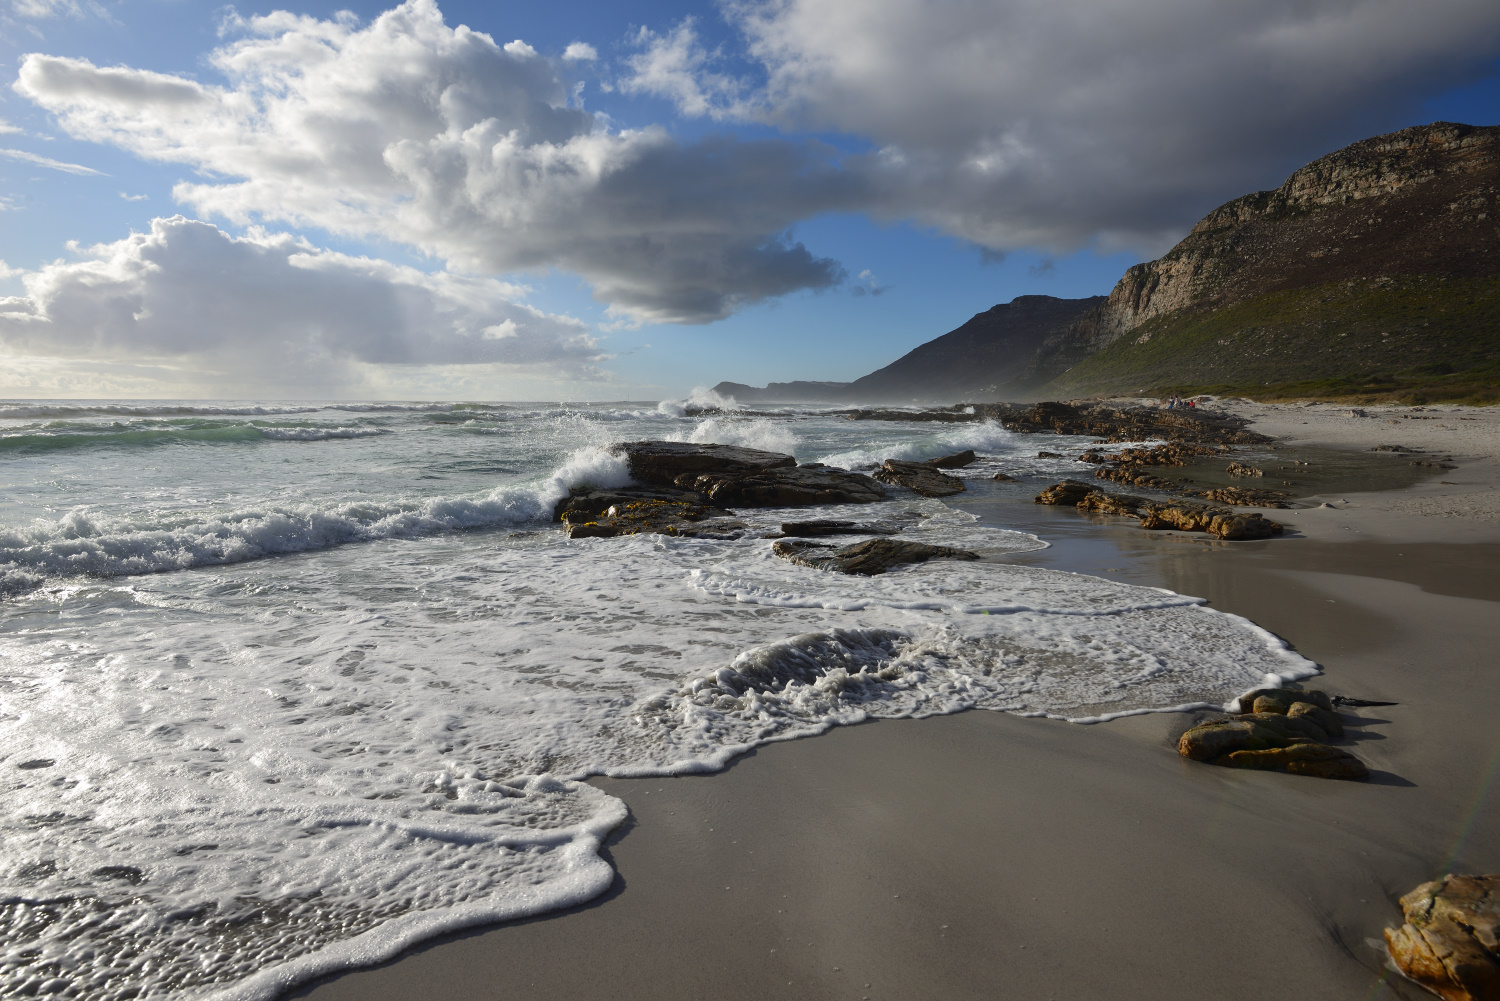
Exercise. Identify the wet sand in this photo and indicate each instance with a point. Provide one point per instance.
(985, 855)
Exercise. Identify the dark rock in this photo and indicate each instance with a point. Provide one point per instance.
(1394, 448)
(662, 462)
(797, 486)
(586, 503)
(1005, 478)
(1182, 515)
(664, 517)
(1344, 700)
(1243, 469)
(730, 475)
(806, 529)
(1068, 492)
(1449, 941)
(1049, 455)
(957, 460)
(919, 476)
(875, 556)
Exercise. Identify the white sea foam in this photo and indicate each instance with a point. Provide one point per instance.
(987, 437)
(289, 766)
(701, 398)
(84, 543)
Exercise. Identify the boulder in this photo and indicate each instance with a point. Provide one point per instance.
(795, 486)
(874, 556)
(1005, 478)
(1286, 698)
(1243, 469)
(919, 476)
(1184, 516)
(805, 529)
(957, 460)
(1235, 527)
(662, 462)
(1106, 503)
(1068, 492)
(1450, 943)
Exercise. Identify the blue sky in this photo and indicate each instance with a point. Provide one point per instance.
(799, 190)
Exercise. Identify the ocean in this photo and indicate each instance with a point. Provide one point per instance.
(285, 688)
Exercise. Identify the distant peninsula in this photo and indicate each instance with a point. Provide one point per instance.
(1373, 273)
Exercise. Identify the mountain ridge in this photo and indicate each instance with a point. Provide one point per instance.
(1372, 270)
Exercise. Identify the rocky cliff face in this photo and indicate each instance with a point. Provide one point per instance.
(1422, 201)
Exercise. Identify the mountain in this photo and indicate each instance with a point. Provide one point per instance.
(1372, 269)
(990, 357)
(1372, 272)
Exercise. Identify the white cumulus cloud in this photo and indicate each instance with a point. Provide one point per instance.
(443, 139)
(270, 307)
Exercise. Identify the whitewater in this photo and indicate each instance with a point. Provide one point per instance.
(286, 688)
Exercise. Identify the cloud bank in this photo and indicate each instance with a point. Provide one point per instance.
(1013, 124)
(444, 139)
(267, 309)
(1050, 123)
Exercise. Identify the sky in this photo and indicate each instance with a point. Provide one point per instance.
(628, 200)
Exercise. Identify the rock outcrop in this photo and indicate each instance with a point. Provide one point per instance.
(745, 477)
(1285, 731)
(1185, 516)
(1450, 943)
(925, 479)
(875, 556)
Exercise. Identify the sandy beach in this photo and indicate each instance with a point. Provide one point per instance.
(987, 855)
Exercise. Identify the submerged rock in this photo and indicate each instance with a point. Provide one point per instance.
(1450, 943)
(925, 479)
(957, 460)
(875, 556)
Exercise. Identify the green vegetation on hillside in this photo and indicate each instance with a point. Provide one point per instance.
(1411, 338)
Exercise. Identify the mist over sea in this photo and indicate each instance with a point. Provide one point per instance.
(288, 687)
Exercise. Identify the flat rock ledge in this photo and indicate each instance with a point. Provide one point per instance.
(747, 477)
(1450, 943)
(1284, 731)
(1183, 515)
(869, 558)
(685, 488)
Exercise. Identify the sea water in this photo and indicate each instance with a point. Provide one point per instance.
(287, 688)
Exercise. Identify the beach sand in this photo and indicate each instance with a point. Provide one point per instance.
(986, 855)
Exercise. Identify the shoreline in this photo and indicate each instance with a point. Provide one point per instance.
(1152, 876)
